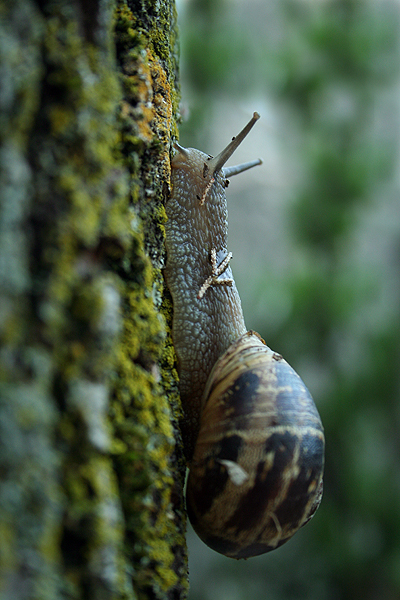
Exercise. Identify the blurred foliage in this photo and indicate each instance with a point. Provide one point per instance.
(334, 65)
(352, 49)
(215, 59)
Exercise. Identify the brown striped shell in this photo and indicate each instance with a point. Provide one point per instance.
(256, 473)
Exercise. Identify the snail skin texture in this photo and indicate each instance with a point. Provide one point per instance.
(252, 434)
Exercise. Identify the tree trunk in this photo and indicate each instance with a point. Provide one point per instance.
(91, 474)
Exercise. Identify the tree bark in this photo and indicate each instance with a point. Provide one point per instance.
(90, 456)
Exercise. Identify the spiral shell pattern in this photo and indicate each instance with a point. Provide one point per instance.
(256, 473)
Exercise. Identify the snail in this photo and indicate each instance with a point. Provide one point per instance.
(252, 434)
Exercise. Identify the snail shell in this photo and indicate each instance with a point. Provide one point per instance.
(256, 473)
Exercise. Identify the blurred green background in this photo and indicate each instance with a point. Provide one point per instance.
(315, 235)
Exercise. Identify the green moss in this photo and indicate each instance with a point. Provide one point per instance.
(80, 215)
(21, 69)
(144, 421)
(97, 147)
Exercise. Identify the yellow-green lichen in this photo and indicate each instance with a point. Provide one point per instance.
(79, 178)
(145, 459)
(142, 420)
(102, 478)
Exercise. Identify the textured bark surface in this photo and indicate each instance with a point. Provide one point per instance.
(91, 475)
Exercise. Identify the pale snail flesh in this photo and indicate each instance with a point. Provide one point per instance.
(252, 434)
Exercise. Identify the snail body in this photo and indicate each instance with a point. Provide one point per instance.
(252, 434)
